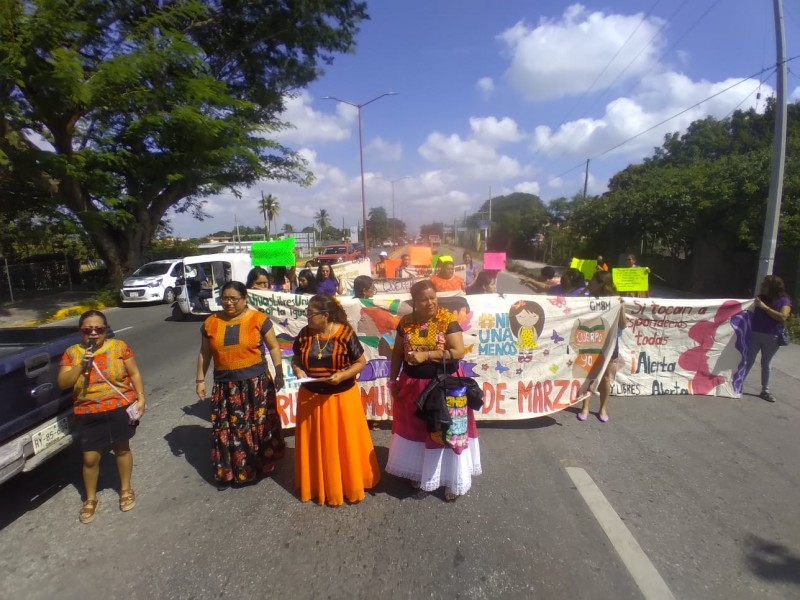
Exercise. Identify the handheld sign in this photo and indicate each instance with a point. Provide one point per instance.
(494, 261)
(420, 256)
(392, 264)
(585, 266)
(634, 279)
(277, 253)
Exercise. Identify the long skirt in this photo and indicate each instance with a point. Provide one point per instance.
(246, 436)
(334, 459)
(414, 455)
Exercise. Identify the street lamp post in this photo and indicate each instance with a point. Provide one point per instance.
(361, 156)
(393, 181)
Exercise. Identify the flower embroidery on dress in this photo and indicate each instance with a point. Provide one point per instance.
(430, 335)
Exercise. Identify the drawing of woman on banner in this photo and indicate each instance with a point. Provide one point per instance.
(526, 319)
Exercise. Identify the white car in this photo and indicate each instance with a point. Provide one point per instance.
(387, 244)
(152, 282)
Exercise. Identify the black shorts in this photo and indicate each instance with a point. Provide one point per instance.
(98, 431)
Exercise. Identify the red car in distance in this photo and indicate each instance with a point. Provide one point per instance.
(338, 253)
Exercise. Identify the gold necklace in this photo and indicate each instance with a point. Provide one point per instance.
(320, 349)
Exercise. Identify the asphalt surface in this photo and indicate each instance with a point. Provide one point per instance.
(707, 487)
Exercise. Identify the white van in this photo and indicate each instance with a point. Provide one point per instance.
(198, 291)
(152, 282)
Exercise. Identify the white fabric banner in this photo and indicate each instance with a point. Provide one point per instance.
(532, 355)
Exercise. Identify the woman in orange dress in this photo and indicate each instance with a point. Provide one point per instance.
(445, 279)
(334, 456)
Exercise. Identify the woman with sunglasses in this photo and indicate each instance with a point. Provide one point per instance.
(334, 456)
(105, 381)
(245, 424)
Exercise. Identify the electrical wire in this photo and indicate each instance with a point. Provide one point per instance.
(608, 64)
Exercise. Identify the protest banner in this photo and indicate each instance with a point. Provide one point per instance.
(275, 253)
(346, 272)
(585, 265)
(669, 347)
(494, 261)
(634, 279)
(683, 347)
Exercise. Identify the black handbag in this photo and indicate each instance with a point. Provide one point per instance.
(437, 390)
(783, 337)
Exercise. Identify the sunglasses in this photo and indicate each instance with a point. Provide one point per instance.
(90, 330)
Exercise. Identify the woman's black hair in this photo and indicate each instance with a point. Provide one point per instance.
(775, 287)
(547, 272)
(572, 279)
(234, 285)
(319, 273)
(421, 286)
(361, 284)
(311, 288)
(328, 304)
(606, 282)
(254, 274)
(92, 313)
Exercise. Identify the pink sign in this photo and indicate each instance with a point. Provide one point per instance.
(494, 261)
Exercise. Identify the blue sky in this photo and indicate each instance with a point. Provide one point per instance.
(510, 96)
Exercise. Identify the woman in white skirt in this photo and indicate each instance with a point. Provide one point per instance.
(426, 338)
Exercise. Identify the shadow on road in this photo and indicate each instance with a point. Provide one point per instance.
(26, 492)
(772, 561)
(536, 423)
(193, 442)
(396, 487)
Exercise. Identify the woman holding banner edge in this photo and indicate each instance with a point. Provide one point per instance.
(601, 284)
(428, 341)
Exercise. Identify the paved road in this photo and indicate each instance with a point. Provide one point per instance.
(706, 487)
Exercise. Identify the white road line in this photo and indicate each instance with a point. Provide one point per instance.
(645, 575)
(123, 329)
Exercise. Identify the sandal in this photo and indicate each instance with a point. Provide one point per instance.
(88, 511)
(127, 500)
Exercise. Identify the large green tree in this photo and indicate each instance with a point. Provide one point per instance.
(114, 112)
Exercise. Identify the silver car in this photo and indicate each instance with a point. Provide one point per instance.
(152, 282)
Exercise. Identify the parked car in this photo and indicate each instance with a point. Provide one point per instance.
(387, 244)
(35, 415)
(152, 282)
(338, 253)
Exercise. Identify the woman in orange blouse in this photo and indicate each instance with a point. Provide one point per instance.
(334, 456)
(445, 279)
(106, 382)
(246, 427)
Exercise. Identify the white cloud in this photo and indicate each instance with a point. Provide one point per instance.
(660, 97)
(485, 85)
(528, 187)
(795, 95)
(384, 149)
(566, 56)
(475, 160)
(493, 131)
(310, 125)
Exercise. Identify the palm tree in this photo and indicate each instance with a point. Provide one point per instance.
(269, 207)
(287, 228)
(322, 220)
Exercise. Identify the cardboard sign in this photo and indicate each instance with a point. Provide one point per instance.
(277, 253)
(420, 256)
(494, 261)
(392, 265)
(636, 279)
(585, 266)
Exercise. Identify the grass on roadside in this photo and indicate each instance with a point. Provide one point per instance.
(102, 299)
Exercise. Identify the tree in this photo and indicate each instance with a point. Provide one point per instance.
(378, 225)
(269, 207)
(288, 228)
(148, 106)
(322, 220)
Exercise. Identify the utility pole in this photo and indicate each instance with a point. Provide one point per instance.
(586, 178)
(769, 241)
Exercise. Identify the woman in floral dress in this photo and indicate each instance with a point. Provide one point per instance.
(246, 427)
(426, 338)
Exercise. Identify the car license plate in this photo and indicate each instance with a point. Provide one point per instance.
(50, 434)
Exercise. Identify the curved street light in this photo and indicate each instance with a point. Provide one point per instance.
(361, 156)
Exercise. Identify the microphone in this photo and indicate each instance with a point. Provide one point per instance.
(88, 366)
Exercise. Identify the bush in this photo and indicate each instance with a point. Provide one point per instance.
(793, 325)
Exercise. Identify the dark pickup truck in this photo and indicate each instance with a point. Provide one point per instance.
(35, 415)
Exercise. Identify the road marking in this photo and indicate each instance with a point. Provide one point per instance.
(123, 329)
(652, 586)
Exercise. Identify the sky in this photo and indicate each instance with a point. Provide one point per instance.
(509, 96)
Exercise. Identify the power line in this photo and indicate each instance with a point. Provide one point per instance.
(613, 58)
(685, 110)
